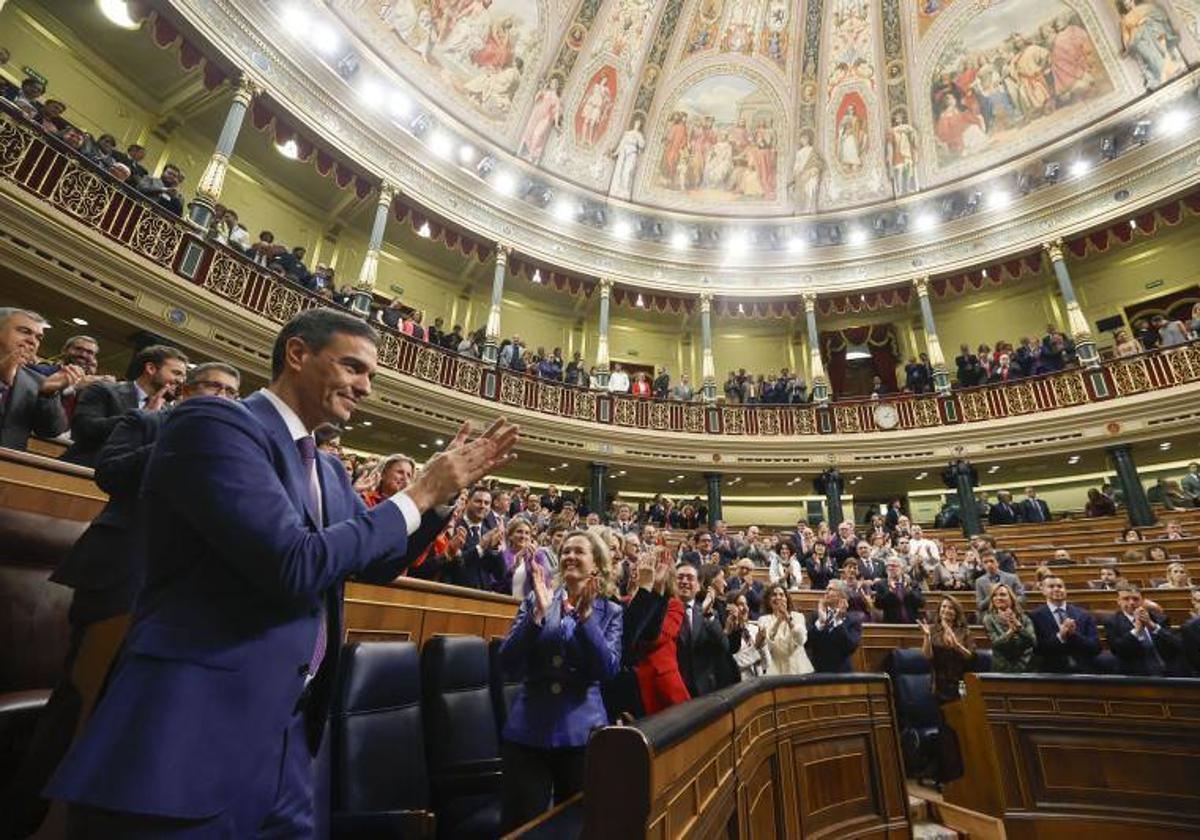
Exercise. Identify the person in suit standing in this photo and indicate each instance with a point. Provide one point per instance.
(702, 642)
(1004, 512)
(211, 719)
(564, 643)
(473, 556)
(105, 568)
(992, 576)
(782, 634)
(30, 404)
(1067, 639)
(1140, 638)
(834, 632)
(159, 372)
(1034, 509)
(900, 600)
(743, 583)
(660, 682)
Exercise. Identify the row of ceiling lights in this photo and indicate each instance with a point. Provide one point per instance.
(734, 240)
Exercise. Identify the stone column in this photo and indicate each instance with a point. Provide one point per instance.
(596, 474)
(708, 370)
(831, 480)
(491, 340)
(1077, 325)
(819, 383)
(361, 302)
(1137, 506)
(968, 511)
(714, 498)
(208, 189)
(933, 347)
(602, 370)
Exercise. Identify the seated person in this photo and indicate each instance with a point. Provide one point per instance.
(1061, 557)
(993, 576)
(1177, 577)
(1110, 578)
(1067, 639)
(1098, 504)
(1141, 639)
(1010, 630)
(785, 569)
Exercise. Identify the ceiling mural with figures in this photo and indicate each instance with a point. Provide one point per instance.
(776, 108)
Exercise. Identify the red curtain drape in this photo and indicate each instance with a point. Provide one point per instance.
(880, 340)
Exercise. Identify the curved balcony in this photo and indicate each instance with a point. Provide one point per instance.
(55, 175)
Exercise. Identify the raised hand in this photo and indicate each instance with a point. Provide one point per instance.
(65, 377)
(541, 593)
(924, 625)
(158, 399)
(587, 596)
(645, 570)
(463, 463)
(661, 572)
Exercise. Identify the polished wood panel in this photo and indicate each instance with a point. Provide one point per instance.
(1106, 756)
(37, 484)
(798, 757)
(416, 610)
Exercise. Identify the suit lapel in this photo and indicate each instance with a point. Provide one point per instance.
(127, 395)
(293, 476)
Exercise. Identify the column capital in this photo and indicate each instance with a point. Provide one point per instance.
(706, 301)
(387, 193)
(245, 89)
(1054, 249)
(921, 285)
(503, 249)
(605, 285)
(810, 301)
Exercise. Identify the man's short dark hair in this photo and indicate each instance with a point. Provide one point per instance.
(316, 327)
(326, 432)
(200, 370)
(479, 488)
(70, 342)
(136, 147)
(155, 354)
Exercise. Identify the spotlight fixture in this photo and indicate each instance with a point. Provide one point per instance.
(1133, 224)
(999, 199)
(419, 124)
(1074, 459)
(347, 66)
(324, 39)
(466, 154)
(295, 20)
(1052, 172)
(924, 222)
(1108, 143)
(1165, 445)
(504, 183)
(439, 442)
(640, 302)
(856, 236)
(370, 93)
(486, 164)
(564, 209)
(737, 242)
(289, 149)
(400, 104)
(797, 243)
(440, 143)
(741, 309)
(424, 231)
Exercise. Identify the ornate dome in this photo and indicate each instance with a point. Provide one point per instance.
(775, 107)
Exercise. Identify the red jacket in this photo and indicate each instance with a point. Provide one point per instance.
(657, 670)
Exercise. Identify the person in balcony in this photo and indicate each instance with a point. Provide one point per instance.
(682, 390)
(27, 96)
(1003, 371)
(1172, 332)
(969, 371)
(1125, 345)
(641, 386)
(510, 350)
(618, 380)
(165, 189)
(132, 157)
(918, 376)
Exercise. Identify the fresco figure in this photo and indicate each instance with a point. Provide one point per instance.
(627, 153)
(807, 169)
(546, 115)
(901, 151)
(1148, 36)
(852, 140)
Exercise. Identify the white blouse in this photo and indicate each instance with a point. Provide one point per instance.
(785, 644)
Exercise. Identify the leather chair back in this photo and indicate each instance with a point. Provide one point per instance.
(462, 744)
(912, 678)
(503, 691)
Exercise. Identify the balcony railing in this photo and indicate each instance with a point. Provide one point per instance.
(56, 174)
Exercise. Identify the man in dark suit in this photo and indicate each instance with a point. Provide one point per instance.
(1004, 512)
(702, 643)
(29, 402)
(870, 566)
(156, 373)
(1140, 638)
(81, 352)
(1067, 639)
(834, 632)
(210, 721)
(1189, 635)
(900, 599)
(1034, 509)
(473, 555)
(743, 583)
(105, 567)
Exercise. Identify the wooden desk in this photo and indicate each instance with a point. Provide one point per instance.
(1102, 757)
(814, 757)
(37, 484)
(416, 610)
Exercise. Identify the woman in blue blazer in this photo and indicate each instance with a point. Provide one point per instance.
(565, 641)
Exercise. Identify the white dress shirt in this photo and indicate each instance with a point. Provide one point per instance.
(295, 427)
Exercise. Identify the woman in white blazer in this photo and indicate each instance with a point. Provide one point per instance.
(781, 635)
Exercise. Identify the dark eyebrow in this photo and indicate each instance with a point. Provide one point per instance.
(356, 364)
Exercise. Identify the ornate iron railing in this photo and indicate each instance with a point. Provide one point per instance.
(56, 174)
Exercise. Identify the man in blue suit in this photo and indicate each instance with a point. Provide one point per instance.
(1067, 639)
(212, 717)
(105, 567)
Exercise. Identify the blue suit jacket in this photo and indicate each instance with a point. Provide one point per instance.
(562, 664)
(238, 570)
(1074, 656)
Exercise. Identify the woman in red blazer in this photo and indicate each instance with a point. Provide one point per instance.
(657, 669)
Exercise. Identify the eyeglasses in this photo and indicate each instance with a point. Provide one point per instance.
(216, 389)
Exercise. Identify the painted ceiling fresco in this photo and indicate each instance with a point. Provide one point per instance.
(776, 107)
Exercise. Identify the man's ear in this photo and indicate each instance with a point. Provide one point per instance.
(295, 351)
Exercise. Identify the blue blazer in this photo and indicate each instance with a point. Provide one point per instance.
(238, 571)
(1078, 653)
(561, 665)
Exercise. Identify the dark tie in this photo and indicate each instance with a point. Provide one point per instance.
(904, 616)
(308, 458)
(1037, 510)
(1157, 665)
(4, 391)
(1061, 615)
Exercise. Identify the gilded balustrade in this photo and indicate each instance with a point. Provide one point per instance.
(52, 172)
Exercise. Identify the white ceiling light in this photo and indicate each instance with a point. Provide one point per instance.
(622, 229)
(424, 231)
(504, 183)
(856, 236)
(797, 243)
(924, 222)
(289, 149)
(117, 12)
(564, 209)
(679, 240)
(466, 154)
(370, 92)
(537, 276)
(564, 465)
(921, 476)
(999, 199)
(324, 39)
(366, 423)
(79, 322)
(1175, 121)
(295, 20)
(1081, 167)
(640, 302)
(400, 104)
(1165, 445)
(423, 445)
(737, 242)
(441, 143)
(1074, 459)
(439, 442)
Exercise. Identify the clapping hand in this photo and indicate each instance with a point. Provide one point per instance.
(925, 628)
(1067, 628)
(541, 594)
(65, 377)
(645, 570)
(587, 597)
(661, 572)
(159, 398)
(463, 463)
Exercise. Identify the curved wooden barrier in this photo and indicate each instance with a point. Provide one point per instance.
(1109, 757)
(814, 756)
